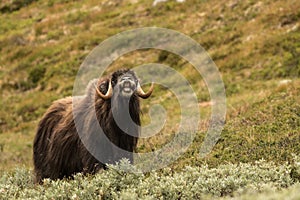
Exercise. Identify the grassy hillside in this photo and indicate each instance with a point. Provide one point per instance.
(255, 44)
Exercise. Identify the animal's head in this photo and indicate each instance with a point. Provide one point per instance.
(122, 83)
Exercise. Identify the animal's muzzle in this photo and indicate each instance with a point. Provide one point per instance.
(128, 86)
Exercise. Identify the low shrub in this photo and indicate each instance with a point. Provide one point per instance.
(190, 183)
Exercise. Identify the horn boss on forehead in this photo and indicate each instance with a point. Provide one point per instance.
(58, 151)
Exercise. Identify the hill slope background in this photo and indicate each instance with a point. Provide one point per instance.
(255, 44)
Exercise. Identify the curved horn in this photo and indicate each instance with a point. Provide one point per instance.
(141, 92)
(108, 94)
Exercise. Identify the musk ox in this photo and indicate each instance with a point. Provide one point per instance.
(58, 149)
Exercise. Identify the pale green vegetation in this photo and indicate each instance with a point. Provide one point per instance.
(255, 44)
(233, 180)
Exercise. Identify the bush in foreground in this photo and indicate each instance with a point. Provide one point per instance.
(192, 182)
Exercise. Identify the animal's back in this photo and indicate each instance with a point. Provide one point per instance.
(43, 142)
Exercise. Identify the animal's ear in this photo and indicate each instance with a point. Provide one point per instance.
(104, 89)
(103, 86)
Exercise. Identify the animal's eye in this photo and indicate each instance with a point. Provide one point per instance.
(125, 78)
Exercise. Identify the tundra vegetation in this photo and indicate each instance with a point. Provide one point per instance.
(255, 44)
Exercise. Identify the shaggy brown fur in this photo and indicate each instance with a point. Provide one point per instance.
(59, 152)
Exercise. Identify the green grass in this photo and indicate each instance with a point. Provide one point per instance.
(269, 129)
(255, 45)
